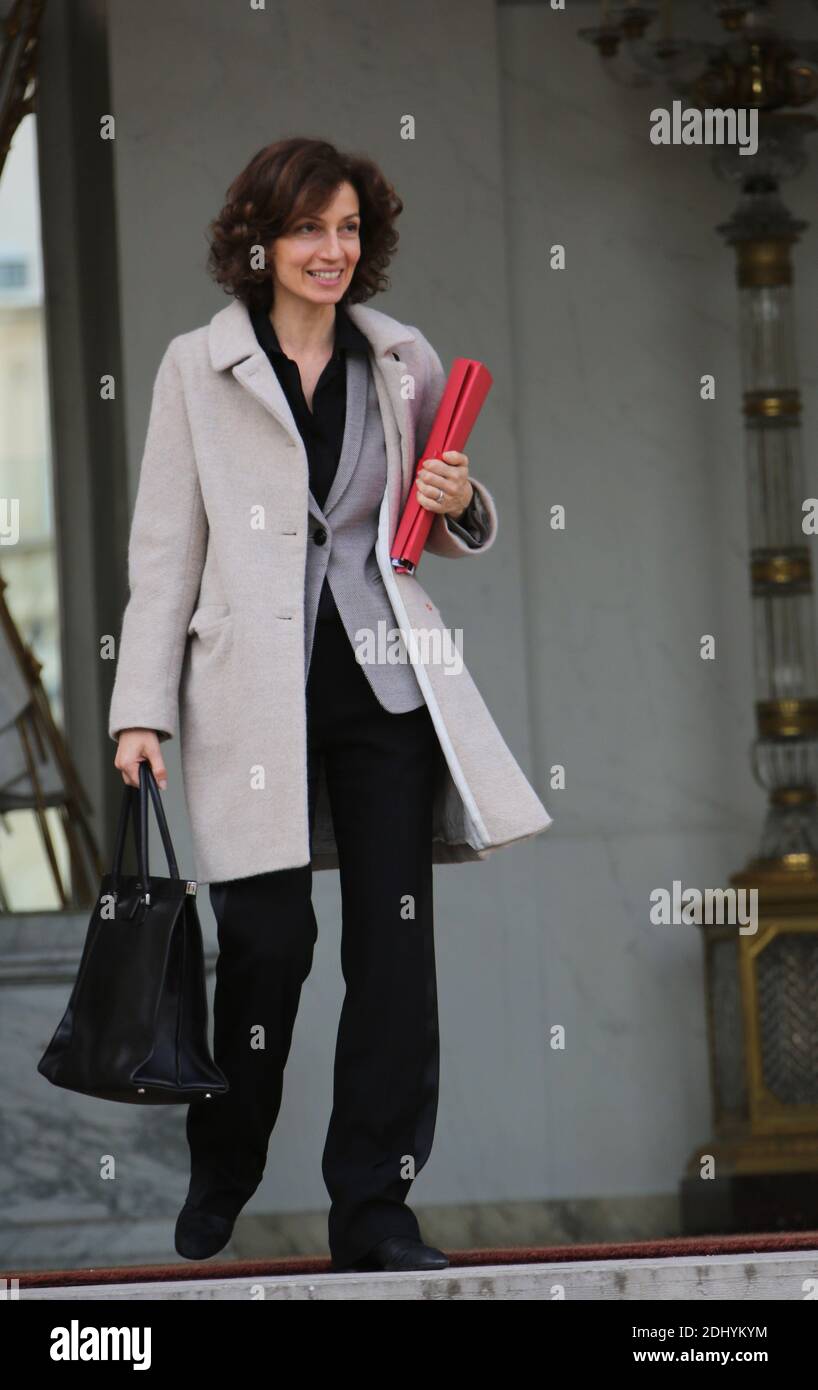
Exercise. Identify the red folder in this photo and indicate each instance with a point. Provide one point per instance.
(466, 389)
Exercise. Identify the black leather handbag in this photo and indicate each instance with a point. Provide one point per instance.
(135, 1029)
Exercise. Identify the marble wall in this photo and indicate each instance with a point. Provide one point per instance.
(608, 355)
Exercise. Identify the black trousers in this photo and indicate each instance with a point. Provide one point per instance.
(381, 770)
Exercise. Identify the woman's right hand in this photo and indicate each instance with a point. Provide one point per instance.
(134, 747)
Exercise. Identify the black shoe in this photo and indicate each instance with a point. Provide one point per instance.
(397, 1252)
(200, 1233)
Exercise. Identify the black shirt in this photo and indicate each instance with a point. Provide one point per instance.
(322, 428)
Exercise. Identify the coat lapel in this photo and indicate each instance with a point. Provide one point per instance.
(386, 335)
(233, 344)
(256, 374)
(357, 377)
(398, 433)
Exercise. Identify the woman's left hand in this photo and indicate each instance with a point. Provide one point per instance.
(448, 475)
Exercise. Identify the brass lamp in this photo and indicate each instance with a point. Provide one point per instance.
(762, 988)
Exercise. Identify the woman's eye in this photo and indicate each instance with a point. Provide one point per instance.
(310, 227)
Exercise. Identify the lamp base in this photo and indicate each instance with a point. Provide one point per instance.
(752, 1202)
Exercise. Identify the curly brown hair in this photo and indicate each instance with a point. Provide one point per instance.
(284, 182)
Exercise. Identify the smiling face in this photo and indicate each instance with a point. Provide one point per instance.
(316, 259)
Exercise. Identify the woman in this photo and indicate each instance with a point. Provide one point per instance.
(326, 718)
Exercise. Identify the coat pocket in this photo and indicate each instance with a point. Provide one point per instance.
(208, 690)
(207, 616)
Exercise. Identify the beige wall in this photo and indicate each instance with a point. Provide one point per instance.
(197, 90)
(520, 143)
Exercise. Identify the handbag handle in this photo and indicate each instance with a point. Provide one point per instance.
(131, 797)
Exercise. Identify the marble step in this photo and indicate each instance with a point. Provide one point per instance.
(751, 1277)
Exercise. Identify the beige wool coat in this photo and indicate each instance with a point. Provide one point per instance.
(214, 626)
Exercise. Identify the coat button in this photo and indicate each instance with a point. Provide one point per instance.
(319, 535)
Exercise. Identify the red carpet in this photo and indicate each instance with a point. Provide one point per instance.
(316, 1264)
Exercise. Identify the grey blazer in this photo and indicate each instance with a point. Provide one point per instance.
(342, 539)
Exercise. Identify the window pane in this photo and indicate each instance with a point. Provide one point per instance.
(27, 540)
